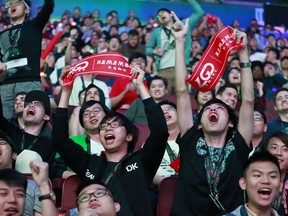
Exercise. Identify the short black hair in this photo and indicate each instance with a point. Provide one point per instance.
(262, 114)
(21, 93)
(87, 104)
(13, 178)
(223, 88)
(133, 33)
(278, 91)
(166, 102)
(86, 183)
(149, 81)
(125, 122)
(280, 135)
(232, 116)
(261, 156)
(276, 51)
(136, 55)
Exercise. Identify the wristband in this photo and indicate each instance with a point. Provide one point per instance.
(245, 64)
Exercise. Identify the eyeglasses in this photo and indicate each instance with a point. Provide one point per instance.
(258, 117)
(97, 194)
(167, 108)
(34, 103)
(95, 111)
(113, 124)
(8, 4)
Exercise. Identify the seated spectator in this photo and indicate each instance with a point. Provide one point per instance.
(94, 198)
(261, 174)
(7, 158)
(92, 92)
(157, 87)
(281, 106)
(118, 137)
(259, 128)
(36, 135)
(19, 108)
(123, 92)
(12, 186)
(201, 99)
(277, 145)
(172, 149)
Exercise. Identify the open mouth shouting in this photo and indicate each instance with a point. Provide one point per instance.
(264, 193)
(213, 117)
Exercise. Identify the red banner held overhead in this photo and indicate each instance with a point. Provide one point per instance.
(212, 64)
(111, 64)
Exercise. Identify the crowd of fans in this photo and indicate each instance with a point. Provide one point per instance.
(89, 129)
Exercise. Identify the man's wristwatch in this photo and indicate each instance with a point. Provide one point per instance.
(245, 64)
(51, 196)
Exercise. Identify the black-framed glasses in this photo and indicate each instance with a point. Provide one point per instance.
(95, 111)
(113, 124)
(97, 194)
(34, 103)
(258, 117)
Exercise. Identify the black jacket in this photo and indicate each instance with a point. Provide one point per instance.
(136, 171)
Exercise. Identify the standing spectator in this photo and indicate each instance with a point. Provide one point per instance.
(133, 44)
(162, 43)
(22, 42)
(212, 157)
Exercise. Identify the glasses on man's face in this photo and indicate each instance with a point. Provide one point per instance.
(113, 124)
(95, 111)
(97, 194)
(167, 108)
(34, 104)
(258, 117)
(8, 4)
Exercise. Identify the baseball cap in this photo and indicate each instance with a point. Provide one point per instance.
(40, 96)
(23, 160)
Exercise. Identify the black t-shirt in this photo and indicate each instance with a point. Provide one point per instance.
(116, 189)
(192, 189)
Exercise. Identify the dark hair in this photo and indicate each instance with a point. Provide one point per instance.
(278, 91)
(283, 58)
(223, 88)
(261, 156)
(101, 93)
(88, 104)
(136, 55)
(276, 51)
(149, 81)
(262, 114)
(125, 122)
(8, 140)
(280, 135)
(230, 69)
(166, 102)
(197, 93)
(86, 183)
(163, 9)
(232, 116)
(133, 33)
(13, 178)
(21, 93)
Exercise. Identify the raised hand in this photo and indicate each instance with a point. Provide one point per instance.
(179, 30)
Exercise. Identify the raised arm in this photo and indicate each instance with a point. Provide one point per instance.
(184, 109)
(245, 124)
(39, 171)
